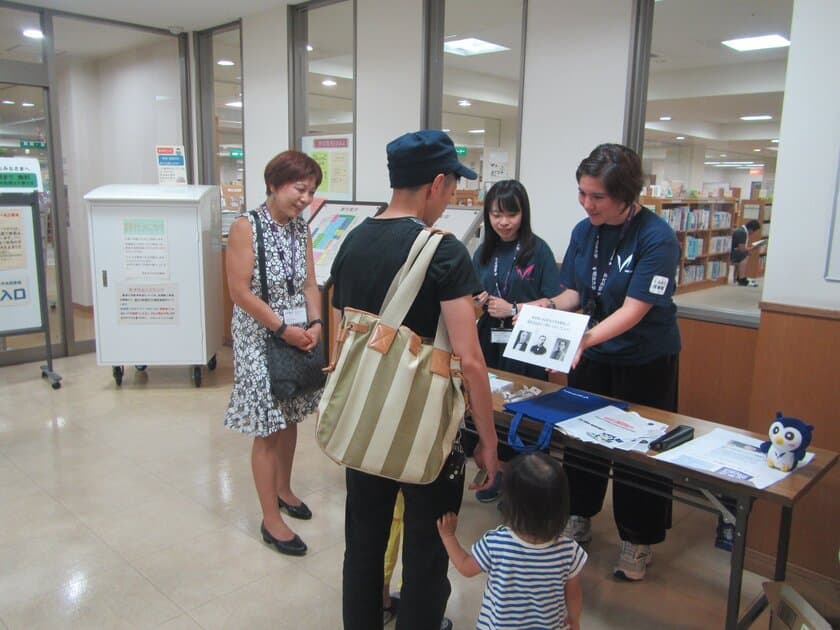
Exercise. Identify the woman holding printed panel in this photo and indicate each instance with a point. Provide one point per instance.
(620, 270)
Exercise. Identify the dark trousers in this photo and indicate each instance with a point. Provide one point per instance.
(368, 513)
(641, 517)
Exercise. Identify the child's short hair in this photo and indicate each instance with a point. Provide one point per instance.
(535, 497)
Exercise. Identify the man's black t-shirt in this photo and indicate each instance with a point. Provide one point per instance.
(372, 254)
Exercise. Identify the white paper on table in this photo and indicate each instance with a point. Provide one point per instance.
(613, 428)
(728, 454)
(546, 337)
(498, 384)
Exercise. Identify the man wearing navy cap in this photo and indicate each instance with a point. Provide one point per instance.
(424, 171)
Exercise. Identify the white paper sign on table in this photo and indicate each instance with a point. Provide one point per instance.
(546, 337)
(614, 428)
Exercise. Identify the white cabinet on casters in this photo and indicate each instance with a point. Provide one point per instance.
(157, 289)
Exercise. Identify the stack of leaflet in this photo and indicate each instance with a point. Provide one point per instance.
(613, 428)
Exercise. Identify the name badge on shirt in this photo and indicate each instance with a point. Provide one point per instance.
(295, 316)
(658, 285)
(500, 335)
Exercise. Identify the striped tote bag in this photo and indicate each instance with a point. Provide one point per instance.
(393, 403)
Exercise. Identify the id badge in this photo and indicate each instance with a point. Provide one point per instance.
(500, 335)
(295, 316)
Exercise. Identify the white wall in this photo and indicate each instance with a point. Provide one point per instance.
(576, 61)
(807, 166)
(265, 91)
(389, 59)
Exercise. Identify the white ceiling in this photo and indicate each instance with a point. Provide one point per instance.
(686, 42)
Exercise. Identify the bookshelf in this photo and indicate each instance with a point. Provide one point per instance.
(704, 230)
(761, 211)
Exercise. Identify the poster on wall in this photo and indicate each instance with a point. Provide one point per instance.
(145, 249)
(20, 299)
(20, 175)
(495, 167)
(333, 221)
(334, 154)
(171, 165)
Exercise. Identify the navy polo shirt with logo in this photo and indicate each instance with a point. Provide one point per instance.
(644, 267)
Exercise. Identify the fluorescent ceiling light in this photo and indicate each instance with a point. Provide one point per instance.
(475, 131)
(8, 102)
(664, 118)
(723, 155)
(775, 141)
(328, 82)
(757, 117)
(471, 46)
(225, 62)
(464, 102)
(757, 150)
(446, 130)
(33, 33)
(680, 137)
(235, 104)
(746, 44)
(27, 104)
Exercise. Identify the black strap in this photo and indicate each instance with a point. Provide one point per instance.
(261, 256)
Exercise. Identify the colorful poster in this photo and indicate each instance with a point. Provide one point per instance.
(145, 249)
(20, 175)
(329, 227)
(172, 165)
(148, 304)
(334, 154)
(12, 248)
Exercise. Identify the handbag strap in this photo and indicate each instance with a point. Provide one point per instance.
(419, 242)
(261, 256)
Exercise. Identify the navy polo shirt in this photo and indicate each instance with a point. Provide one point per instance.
(644, 267)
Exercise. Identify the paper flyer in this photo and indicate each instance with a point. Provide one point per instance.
(613, 428)
(546, 337)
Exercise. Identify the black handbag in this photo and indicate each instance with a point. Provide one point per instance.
(292, 371)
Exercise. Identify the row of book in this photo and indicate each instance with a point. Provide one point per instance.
(684, 219)
(713, 270)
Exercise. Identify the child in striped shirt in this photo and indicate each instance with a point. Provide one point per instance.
(534, 571)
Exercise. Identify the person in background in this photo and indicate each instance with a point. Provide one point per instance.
(294, 314)
(620, 269)
(424, 169)
(516, 267)
(741, 251)
(533, 569)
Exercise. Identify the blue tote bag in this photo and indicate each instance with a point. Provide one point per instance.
(550, 409)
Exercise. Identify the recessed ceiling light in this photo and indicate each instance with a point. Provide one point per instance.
(464, 102)
(446, 130)
(225, 62)
(471, 46)
(475, 131)
(757, 117)
(723, 155)
(234, 104)
(328, 82)
(664, 118)
(680, 137)
(309, 48)
(33, 33)
(757, 150)
(27, 104)
(8, 102)
(746, 44)
(775, 141)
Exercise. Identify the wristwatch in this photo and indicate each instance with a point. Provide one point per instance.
(280, 330)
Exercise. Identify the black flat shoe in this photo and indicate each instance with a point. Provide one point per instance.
(293, 547)
(295, 511)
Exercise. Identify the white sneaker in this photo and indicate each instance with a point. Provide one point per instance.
(579, 529)
(632, 561)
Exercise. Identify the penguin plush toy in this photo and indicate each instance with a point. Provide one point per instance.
(789, 439)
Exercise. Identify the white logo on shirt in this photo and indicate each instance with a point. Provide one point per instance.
(622, 265)
(658, 284)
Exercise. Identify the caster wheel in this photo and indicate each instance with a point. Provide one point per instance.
(211, 364)
(140, 368)
(56, 385)
(43, 374)
(197, 376)
(118, 374)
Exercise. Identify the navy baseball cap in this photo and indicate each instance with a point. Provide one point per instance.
(416, 158)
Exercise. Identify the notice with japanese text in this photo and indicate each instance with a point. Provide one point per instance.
(546, 337)
(148, 304)
(145, 248)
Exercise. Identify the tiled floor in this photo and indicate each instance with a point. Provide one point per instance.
(133, 507)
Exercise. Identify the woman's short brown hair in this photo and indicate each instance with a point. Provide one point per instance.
(618, 167)
(290, 166)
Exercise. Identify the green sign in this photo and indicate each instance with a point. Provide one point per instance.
(460, 151)
(236, 154)
(18, 180)
(32, 144)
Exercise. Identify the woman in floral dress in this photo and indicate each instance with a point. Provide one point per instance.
(294, 314)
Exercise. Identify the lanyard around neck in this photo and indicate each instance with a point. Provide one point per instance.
(288, 267)
(598, 287)
(504, 289)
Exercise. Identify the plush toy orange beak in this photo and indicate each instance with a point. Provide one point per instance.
(779, 440)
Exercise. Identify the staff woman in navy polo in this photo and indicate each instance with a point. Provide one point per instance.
(620, 270)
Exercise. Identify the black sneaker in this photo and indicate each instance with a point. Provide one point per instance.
(446, 624)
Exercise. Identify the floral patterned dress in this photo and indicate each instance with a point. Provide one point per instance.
(253, 409)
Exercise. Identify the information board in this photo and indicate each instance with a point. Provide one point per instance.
(461, 221)
(334, 154)
(333, 221)
(20, 296)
